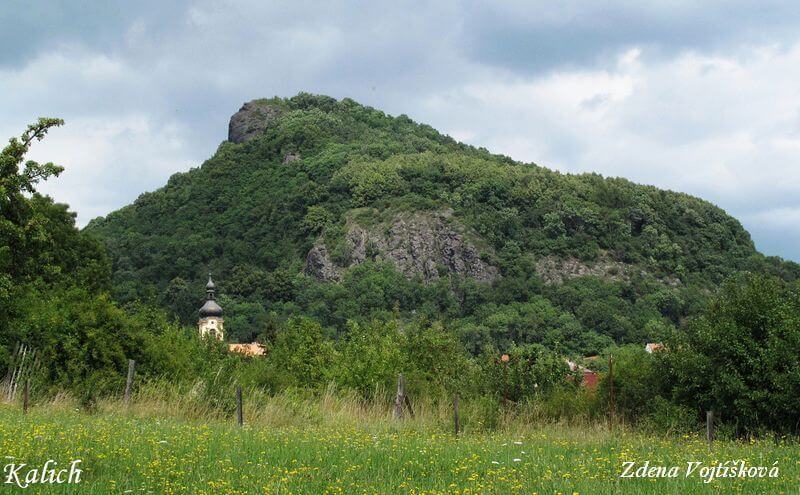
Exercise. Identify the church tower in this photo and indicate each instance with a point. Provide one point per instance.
(211, 323)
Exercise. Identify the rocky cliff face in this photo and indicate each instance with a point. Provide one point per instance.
(429, 245)
(434, 245)
(252, 119)
(554, 270)
(320, 265)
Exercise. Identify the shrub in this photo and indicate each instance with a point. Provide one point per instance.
(741, 356)
(301, 355)
(530, 370)
(636, 382)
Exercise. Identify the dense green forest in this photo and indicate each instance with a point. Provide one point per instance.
(357, 246)
(253, 211)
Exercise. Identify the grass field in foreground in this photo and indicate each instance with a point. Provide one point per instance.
(127, 454)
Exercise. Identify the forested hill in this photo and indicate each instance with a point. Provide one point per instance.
(340, 212)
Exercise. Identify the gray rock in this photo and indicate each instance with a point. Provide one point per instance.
(319, 264)
(434, 244)
(290, 157)
(428, 245)
(553, 270)
(357, 240)
(251, 120)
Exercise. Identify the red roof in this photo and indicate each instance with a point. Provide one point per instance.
(590, 378)
(252, 349)
(653, 347)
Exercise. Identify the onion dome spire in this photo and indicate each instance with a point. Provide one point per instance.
(210, 308)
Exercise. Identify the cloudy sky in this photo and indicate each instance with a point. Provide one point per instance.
(701, 97)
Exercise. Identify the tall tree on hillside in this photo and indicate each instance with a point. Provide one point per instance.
(40, 246)
(19, 225)
(38, 238)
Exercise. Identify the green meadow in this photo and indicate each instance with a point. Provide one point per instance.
(339, 447)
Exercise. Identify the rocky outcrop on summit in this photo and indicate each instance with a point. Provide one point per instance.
(428, 245)
(251, 120)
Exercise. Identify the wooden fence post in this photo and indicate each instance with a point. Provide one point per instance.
(25, 393)
(129, 382)
(400, 398)
(239, 412)
(710, 427)
(456, 419)
(410, 409)
(612, 403)
(505, 359)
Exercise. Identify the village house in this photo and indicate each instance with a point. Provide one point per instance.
(590, 378)
(252, 349)
(650, 348)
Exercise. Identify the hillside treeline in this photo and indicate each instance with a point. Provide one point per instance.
(737, 355)
(251, 213)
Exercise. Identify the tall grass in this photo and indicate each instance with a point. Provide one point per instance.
(181, 437)
(335, 407)
(338, 444)
(214, 400)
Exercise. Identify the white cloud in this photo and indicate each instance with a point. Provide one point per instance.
(777, 218)
(108, 164)
(114, 146)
